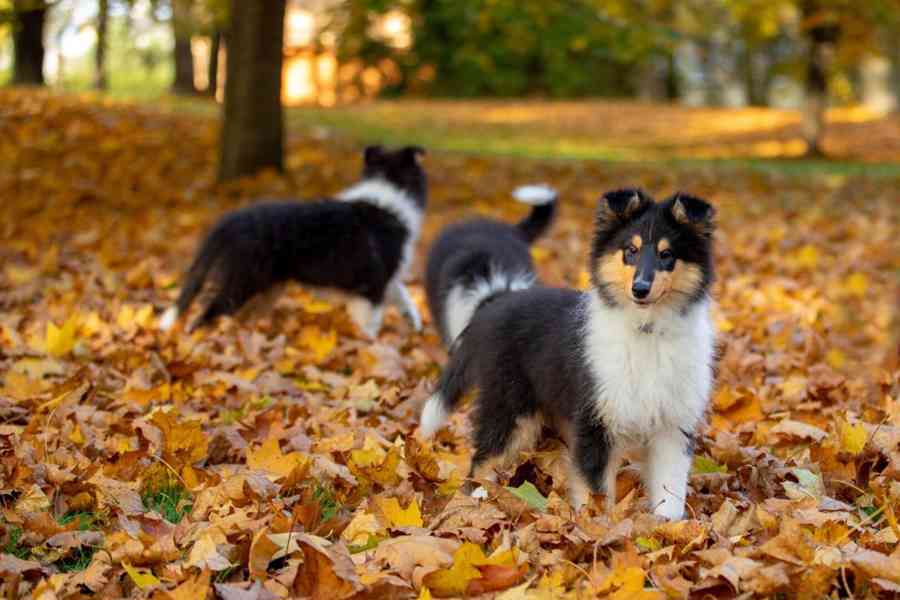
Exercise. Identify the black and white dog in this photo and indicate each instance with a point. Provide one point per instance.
(360, 242)
(626, 364)
(472, 262)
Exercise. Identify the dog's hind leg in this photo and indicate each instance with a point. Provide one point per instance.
(505, 422)
(593, 463)
(233, 293)
(399, 296)
(367, 315)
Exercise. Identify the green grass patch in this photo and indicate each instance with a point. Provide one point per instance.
(77, 560)
(327, 502)
(13, 545)
(173, 502)
(86, 520)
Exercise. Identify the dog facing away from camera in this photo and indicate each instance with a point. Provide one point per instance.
(472, 262)
(360, 242)
(628, 364)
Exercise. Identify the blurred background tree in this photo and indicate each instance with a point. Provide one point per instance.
(805, 54)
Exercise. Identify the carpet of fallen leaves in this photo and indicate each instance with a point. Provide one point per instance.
(274, 456)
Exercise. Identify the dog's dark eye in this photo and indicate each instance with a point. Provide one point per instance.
(665, 254)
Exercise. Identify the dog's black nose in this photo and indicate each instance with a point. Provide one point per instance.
(640, 288)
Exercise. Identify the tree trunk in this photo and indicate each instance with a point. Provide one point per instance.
(28, 43)
(822, 36)
(184, 60)
(100, 81)
(213, 65)
(252, 129)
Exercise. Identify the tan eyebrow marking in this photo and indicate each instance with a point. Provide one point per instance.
(663, 245)
(637, 241)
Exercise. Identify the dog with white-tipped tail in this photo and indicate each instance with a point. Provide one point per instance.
(472, 262)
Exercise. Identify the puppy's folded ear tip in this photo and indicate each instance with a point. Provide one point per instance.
(688, 209)
(623, 202)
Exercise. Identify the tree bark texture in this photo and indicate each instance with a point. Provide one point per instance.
(28, 43)
(252, 128)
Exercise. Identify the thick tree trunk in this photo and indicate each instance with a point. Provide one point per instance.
(28, 43)
(252, 129)
(213, 65)
(100, 81)
(184, 60)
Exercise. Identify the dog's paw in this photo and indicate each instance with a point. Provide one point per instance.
(670, 511)
(480, 493)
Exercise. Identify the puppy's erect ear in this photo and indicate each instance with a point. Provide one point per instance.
(373, 153)
(692, 212)
(619, 206)
(414, 153)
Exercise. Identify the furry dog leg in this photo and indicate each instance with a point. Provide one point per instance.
(366, 315)
(666, 474)
(399, 296)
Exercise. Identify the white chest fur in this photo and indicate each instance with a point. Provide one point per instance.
(652, 368)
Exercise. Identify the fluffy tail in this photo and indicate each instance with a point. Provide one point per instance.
(193, 283)
(543, 200)
(453, 384)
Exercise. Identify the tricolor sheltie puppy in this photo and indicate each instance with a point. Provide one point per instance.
(627, 364)
(472, 262)
(360, 242)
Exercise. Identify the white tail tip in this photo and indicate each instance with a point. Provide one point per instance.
(434, 415)
(535, 195)
(168, 318)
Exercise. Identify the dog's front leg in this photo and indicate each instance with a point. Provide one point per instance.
(399, 296)
(666, 473)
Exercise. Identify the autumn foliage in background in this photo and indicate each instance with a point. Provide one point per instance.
(273, 456)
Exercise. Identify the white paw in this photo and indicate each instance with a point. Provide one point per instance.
(168, 318)
(480, 493)
(670, 510)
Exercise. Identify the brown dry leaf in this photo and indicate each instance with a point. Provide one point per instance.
(793, 544)
(405, 553)
(269, 457)
(327, 571)
(875, 564)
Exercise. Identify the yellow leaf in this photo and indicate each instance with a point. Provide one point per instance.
(60, 340)
(853, 437)
(807, 257)
(76, 436)
(125, 317)
(362, 527)
(320, 343)
(455, 580)
(143, 578)
(584, 280)
(424, 594)
(539, 254)
(857, 284)
(410, 516)
(317, 307)
(268, 457)
(835, 359)
(144, 316)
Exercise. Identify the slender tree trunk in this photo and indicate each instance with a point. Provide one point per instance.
(252, 135)
(822, 36)
(28, 43)
(213, 65)
(100, 81)
(184, 60)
